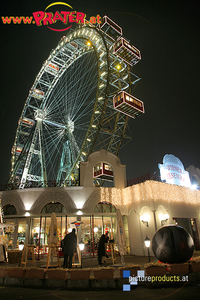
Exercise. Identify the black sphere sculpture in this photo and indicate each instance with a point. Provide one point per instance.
(172, 244)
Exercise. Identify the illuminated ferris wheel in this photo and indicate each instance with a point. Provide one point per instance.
(80, 102)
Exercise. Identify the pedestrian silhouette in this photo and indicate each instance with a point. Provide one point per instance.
(69, 248)
(101, 249)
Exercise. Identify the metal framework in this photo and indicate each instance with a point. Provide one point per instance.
(69, 111)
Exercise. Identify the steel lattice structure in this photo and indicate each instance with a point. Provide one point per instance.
(69, 111)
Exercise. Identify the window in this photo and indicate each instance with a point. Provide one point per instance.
(53, 207)
(104, 207)
(9, 210)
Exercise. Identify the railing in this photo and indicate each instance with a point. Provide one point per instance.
(143, 178)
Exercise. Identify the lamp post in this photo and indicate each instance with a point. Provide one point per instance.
(21, 245)
(147, 244)
(81, 247)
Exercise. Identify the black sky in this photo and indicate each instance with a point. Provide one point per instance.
(167, 34)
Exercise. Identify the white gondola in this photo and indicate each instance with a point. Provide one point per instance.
(110, 28)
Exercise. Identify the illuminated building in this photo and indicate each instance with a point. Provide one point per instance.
(145, 207)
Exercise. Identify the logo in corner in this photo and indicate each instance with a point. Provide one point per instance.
(56, 17)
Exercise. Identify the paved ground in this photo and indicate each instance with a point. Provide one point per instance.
(187, 291)
(91, 262)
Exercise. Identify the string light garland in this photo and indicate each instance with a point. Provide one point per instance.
(149, 191)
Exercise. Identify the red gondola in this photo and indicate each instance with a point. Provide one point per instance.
(38, 94)
(128, 104)
(127, 52)
(103, 171)
(27, 122)
(18, 150)
(52, 67)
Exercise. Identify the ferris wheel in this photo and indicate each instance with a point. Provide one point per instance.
(80, 102)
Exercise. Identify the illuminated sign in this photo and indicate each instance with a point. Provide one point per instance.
(172, 171)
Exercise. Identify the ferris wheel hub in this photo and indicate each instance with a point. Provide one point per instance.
(39, 115)
(70, 125)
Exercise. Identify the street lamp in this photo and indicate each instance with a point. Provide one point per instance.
(164, 219)
(21, 245)
(147, 244)
(145, 219)
(96, 229)
(81, 247)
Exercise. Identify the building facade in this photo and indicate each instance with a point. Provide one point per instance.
(145, 208)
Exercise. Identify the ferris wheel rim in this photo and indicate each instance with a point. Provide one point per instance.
(69, 38)
(100, 48)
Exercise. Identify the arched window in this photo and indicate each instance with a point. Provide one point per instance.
(104, 207)
(53, 207)
(9, 210)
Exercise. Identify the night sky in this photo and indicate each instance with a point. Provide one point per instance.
(166, 33)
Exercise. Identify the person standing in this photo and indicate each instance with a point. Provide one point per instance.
(101, 248)
(69, 248)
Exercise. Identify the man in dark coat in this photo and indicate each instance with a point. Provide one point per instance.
(70, 247)
(101, 249)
